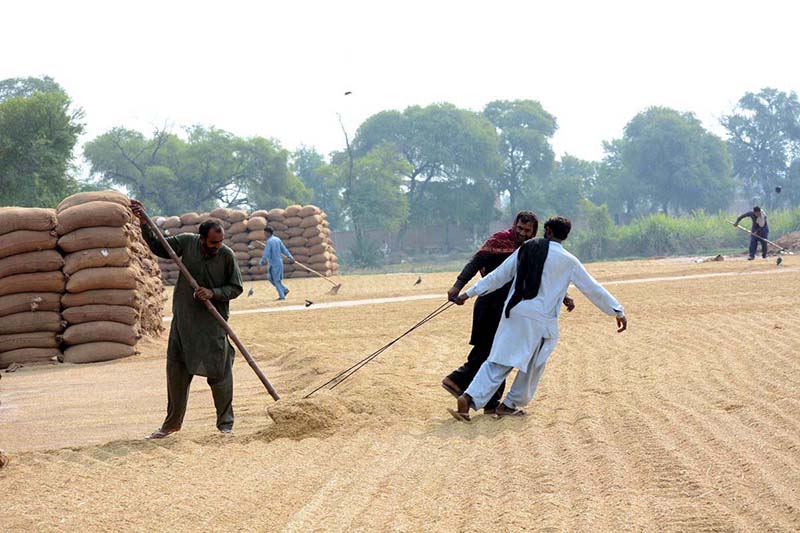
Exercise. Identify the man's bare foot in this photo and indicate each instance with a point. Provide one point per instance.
(462, 412)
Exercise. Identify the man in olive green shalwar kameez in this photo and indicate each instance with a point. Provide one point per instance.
(198, 345)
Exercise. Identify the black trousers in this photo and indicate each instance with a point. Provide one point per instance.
(464, 375)
(178, 382)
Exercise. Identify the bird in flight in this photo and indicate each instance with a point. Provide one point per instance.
(348, 92)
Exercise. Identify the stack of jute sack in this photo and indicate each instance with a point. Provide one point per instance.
(31, 284)
(306, 232)
(235, 223)
(113, 291)
(257, 222)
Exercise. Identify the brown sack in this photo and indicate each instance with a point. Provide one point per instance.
(93, 196)
(220, 212)
(313, 231)
(318, 249)
(278, 226)
(308, 210)
(28, 355)
(320, 258)
(44, 261)
(296, 231)
(94, 352)
(93, 313)
(113, 297)
(22, 241)
(292, 211)
(37, 339)
(35, 282)
(96, 257)
(261, 213)
(296, 241)
(311, 221)
(240, 237)
(28, 302)
(104, 278)
(313, 241)
(29, 322)
(237, 227)
(26, 218)
(256, 223)
(276, 214)
(242, 256)
(92, 214)
(102, 331)
(240, 247)
(293, 221)
(192, 228)
(99, 237)
(259, 235)
(188, 219)
(172, 222)
(235, 215)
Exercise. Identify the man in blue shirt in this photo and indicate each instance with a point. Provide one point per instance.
(273, 248)
(760, 228)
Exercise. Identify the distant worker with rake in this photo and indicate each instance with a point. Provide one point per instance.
(489, 308)
(198, 345)
(760, 228)
(541, 271)
(273, 248)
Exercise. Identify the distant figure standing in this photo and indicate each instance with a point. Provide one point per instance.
(759, 228)
(273, 248)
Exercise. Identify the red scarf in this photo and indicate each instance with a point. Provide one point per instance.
(503, 242)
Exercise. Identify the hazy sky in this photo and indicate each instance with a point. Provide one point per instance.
(279, 69)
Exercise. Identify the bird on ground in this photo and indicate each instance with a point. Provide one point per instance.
(308, 303)
(419, 280)
(779, 261)
(250, 292)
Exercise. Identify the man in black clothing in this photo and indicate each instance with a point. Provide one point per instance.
(488, 309)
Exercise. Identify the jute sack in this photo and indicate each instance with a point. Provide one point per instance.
(242, 256)
(220, 212)
(44, 261)
(313, 241)
(303, 258)
(255, 253)
(93, 196)
(259, 235)
(237, 227)
(28, 355)
(240, 237)
(188, 219)
(35, 282)
(96, 257)
(309, 222)
(321, 267)
(29, 322)
(104, 278)
(101, 331)
(106, 297)
(313, 231)
(256, 223)
(276, 214)
(172, 222)
(28, 302)
(292, 211)
(299, 250)
(94, 352)
(26, 218)
(191, 228)
(37, 339)
(296, 241)
(320, 258)
(254, 261)
(240, 247)
(296, 231)
(261, 213)
(22, 241)
(278, 226)
(99, 237)
(293, 221)
(92, 214)
(235, 215)
(258, 270)
(93, 313)
(308, 210)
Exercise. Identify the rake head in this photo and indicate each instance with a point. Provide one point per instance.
(335, 289)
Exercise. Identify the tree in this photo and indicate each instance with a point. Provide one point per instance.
(38, 130)
(211, 167)
(439, 142)
(309, 165)
(679, 164)
(524, 130)
(764, 130)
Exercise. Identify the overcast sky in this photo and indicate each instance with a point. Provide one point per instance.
(280, 69)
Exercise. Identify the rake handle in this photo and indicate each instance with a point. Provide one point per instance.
(212, 309)
(757, 236)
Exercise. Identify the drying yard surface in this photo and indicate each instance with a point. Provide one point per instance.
(689, 421)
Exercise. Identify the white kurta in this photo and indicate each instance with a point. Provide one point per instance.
(519, 336)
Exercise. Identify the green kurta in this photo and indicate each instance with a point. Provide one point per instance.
(195, 337)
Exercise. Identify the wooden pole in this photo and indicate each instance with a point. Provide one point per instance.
(213, 310)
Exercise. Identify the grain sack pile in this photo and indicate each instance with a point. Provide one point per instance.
(31, 284)
(113, 291)
(303, 229)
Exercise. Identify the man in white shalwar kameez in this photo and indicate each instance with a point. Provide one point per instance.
(542, 271)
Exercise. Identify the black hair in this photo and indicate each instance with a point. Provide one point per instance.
(208, 225)
(559, 226)
(756, 209)
(270, 230)
(527, 217)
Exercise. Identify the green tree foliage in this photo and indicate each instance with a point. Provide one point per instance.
(38, 131)
(309, 166)
(439, 142)
(672, 163)
(524, 130)
(211, 167)
(764, 130)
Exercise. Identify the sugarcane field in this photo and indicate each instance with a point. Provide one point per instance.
(439, 267)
